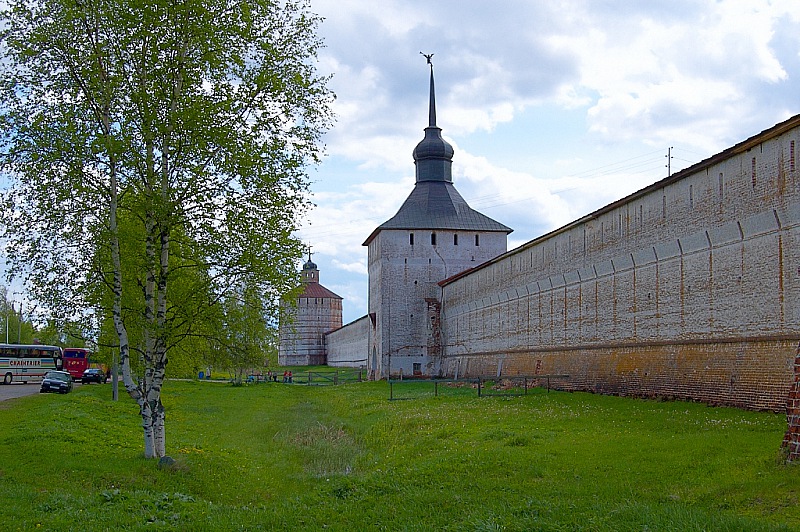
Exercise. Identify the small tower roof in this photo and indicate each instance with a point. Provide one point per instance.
(310, 280)
(317, 290)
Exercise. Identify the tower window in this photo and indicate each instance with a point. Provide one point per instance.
(455, 240)
(411, 239)
(477, 240)
(433, 239)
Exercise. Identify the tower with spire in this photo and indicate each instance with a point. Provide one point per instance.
(304, 322)
(433, 236)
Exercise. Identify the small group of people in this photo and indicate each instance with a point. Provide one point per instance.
(273, 376)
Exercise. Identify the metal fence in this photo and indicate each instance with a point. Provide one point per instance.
(481, 386)
(314, 378)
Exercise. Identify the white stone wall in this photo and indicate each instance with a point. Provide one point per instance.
(710, 255)
(348, 346)
(402, 277)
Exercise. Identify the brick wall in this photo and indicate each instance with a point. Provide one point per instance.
(303, 328)
(686, 289)
(403, 277)
(791, 440)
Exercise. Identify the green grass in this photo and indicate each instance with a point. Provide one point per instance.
(279, 457)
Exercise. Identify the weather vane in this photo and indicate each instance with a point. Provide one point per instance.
(428, 57)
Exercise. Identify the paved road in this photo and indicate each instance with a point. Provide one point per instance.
(17, 389)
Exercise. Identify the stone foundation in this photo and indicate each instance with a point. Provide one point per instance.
(755, 375)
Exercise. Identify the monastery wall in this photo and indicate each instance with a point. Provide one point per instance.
(348, 346)
(686, 289)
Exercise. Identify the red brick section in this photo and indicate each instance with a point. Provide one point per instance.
(754, 375)
(791, 440)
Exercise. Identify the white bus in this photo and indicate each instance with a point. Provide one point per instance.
(28, 362)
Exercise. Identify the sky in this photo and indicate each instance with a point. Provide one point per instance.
(554, 109)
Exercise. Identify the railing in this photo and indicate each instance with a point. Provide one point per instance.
(315, 378)
(484, 386)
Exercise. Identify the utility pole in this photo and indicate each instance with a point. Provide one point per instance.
(14, 313)
(669, 161)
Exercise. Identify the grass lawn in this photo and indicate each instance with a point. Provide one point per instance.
(289, 457)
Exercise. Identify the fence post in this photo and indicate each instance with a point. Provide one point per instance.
(336, 378)
(391, 390)
(436, 388)
(479, 386)
(526, 384)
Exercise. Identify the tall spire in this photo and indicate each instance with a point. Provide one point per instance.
(435, 203)
(432, 105)
(433, 156)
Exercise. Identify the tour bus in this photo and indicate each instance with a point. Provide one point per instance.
(76, 361)
(28, 362)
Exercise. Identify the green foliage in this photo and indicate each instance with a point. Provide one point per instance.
(274, 456)
(158, 153)
(246, 338)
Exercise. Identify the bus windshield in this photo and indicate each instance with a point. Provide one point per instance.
(28, 362)
(76, 361)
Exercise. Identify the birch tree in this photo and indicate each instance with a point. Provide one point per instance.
(193, 123)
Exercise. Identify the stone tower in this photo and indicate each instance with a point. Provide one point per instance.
(318, 311)
(433, 236)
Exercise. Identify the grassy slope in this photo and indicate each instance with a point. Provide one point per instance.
(276, 456)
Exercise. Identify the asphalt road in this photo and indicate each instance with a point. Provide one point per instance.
(17, 389)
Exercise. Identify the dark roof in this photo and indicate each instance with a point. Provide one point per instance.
(435, 203)
(438, 205)
(317, 290)
(433, 156)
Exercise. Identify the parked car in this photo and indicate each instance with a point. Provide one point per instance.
(56, 381)
(94, 375)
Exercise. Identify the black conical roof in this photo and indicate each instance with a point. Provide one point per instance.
(433, 156)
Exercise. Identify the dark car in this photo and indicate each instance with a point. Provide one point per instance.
(94, 375)
(56, 381)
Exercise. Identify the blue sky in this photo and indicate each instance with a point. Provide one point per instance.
(554, 108)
